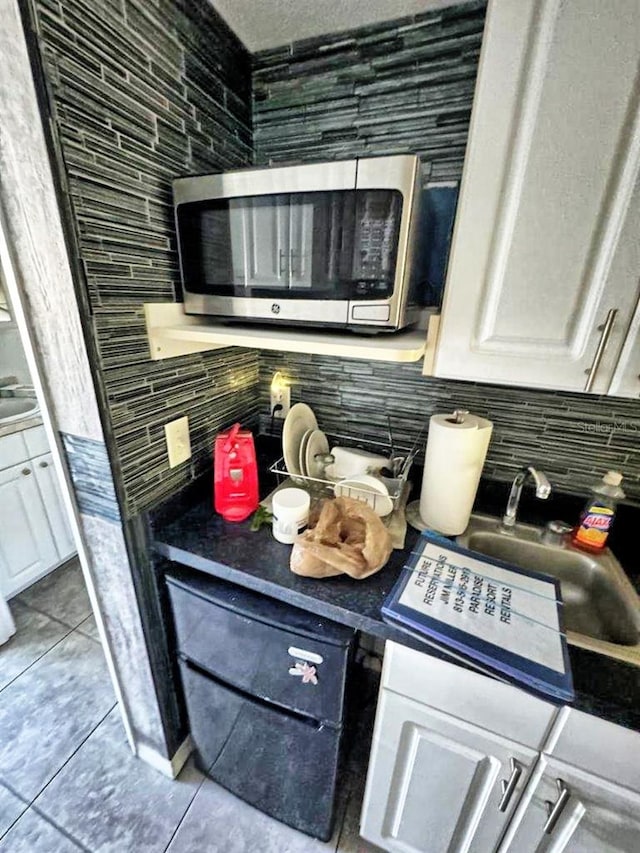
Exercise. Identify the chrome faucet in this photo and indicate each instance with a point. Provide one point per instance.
(543, 490)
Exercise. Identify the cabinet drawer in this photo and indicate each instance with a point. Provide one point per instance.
(584, 740)
(36, 441)
(13, 450)
(253, 643)
(486, 702)
(282, 764)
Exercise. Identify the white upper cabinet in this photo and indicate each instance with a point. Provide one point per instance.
(271, 241)
(626, 377)
(300, 243)
(545, 261)
(260, 240)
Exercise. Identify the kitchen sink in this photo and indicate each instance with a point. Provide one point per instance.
(601, 607)
(17, 408)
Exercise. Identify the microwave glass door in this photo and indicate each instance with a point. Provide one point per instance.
(334, 244)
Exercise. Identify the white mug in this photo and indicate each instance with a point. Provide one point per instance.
(290, 509)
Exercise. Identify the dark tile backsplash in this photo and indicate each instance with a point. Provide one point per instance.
(573, 438)
(90, 470)
(405, 87)
(391, 88)
(143, 92)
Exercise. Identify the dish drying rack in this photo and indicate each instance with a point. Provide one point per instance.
(321, 488)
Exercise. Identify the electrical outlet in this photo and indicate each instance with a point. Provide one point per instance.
(178, 441)
(280, 394)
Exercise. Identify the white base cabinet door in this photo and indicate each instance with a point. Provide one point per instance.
(576, 812)
(438, 784)
(47, 481)
(27, 547)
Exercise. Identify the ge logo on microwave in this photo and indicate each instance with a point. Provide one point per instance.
(275, 308)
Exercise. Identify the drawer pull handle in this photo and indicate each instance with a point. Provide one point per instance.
(508, 787)
(304, 654)
(606, 330)
(554, 810)
(44, 464)
(26, 471)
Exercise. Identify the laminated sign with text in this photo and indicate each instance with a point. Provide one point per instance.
(506, 619)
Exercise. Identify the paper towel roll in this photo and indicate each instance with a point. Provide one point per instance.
(453, 464)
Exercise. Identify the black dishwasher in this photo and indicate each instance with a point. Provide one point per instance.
(264, 685)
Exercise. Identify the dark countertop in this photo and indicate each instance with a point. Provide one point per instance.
(203, 540)
(188, 531)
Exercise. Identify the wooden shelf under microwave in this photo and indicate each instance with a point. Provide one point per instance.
(173, 333)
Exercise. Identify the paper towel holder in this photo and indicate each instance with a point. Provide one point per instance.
(458, 416)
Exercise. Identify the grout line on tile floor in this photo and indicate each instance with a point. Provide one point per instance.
(51, 648)
(26, 808)
(32, 804)
(60, 829)
(85, 634)
(55, 618)
(80, 745)
(186, 811)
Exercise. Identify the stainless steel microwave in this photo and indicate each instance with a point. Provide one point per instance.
(326, 244)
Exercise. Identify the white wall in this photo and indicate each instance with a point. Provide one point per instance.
(12, 358)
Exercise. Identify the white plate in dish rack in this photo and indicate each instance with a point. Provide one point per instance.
(316, 443)
(299, 421)
(302, 454)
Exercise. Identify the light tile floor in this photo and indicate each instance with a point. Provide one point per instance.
(68, 780)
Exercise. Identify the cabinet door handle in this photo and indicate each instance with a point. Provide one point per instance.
(554, 810)
(43, 464)
(605, 329)
(26, 471)
(509, 786)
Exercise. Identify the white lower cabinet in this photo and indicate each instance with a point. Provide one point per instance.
(47, 480)
(27, 546)
(436, 782)
(462, 763)
(35, 535)
(569, 810)
(584, 796)
(452, 752)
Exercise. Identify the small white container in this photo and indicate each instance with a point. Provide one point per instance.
(290, 509)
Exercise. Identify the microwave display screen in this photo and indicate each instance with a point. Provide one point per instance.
(333, 244)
